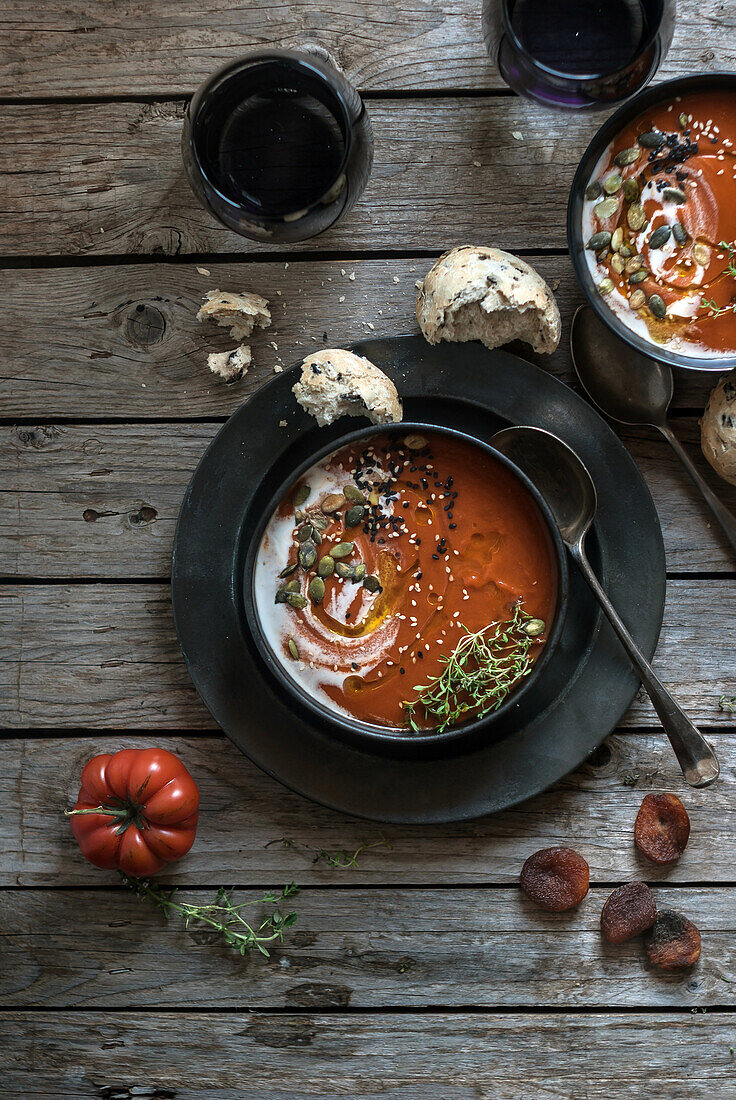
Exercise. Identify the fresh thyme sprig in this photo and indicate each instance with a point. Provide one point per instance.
(710, 303)
(345, 858)
(224, 915)
(478, 674)
(727, 703)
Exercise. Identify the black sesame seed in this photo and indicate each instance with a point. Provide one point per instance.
(436, 557)
(353, 666)
(402, 671)
(453, 526)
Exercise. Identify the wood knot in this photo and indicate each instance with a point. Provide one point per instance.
(145, 326)
(281, 1032)
(145, 515)
(38, 437)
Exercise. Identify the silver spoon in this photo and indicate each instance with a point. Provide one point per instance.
(568, 488)
(634, 389)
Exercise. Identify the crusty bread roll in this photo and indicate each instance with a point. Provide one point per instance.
(238, 312)
(337, 383)
(477, 293)
(230, 365)
(718, 428)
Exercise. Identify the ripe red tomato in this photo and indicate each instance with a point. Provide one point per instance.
(136, 811)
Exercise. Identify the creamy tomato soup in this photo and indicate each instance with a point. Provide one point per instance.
(384, 555)
(660, 224)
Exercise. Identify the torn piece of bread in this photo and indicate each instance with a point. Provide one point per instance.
(238, 312)
(718, 429)
(230, 365)
(478, 293)
(337, 383)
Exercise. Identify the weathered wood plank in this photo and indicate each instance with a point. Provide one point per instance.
(356, 948)
(239, 1056)
(171, 46)
(126, 343)
(106, 656)
(253, 831)
(109, 179)
(102, 500)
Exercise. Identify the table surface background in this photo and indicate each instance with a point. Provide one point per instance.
(421, 972)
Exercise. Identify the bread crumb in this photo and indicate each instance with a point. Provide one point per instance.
(396, 278)
(203, 271)
(477, 164)
(282, 423)
(230, 365)
(274, 345)
(278, 369)
(238, 312)
(341, 298)
(517, 134)
(351, 276)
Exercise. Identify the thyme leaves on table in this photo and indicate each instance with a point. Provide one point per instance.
(478, 675)
(727, 703)
(345, 858)
(224, 915)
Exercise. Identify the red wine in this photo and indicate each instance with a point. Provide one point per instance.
(581, 36)
(277, 147)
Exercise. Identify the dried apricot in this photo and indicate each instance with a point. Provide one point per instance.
(662, 828)
(555, 878)
(629, 911)
(673, 941)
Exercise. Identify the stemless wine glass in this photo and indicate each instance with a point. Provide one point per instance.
(578, 54)
(277, 145)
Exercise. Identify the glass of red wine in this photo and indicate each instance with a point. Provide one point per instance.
(578, 54)
(277, 145)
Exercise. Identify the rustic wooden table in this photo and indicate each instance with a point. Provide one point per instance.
(421, 972)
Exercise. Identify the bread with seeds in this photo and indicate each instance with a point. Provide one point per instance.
(230, 365)
(337, 383)
(718, 429)
(238, 312)
(479, 293)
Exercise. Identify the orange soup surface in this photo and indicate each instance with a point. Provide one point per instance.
(432, 537)
(660, 224)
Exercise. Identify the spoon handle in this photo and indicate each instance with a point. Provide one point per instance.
(726, 519)
(697, 759)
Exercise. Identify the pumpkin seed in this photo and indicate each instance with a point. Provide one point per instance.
(627, 157)
(674, 194)
(593, 190)
(613, 183)
(292, 649)
(631, 190)
(638, 276)
(599, 241)
(415, 442)
(285, 591)
(300, 515)
(316, 537)
(605, 286)
(305, 532)
(534, 627)
(625, 250)
(618, 263)
(701, 252)
(683, 121)
(301, 494)
(679, 232)
(617, 239)
(636, 263)
(316, 590)
(374, 497)
(636, 216)
(637, 299)
(307, 555)
(342, 550)
(319, 521)
(652, 139)
(354, 495)
(332, 502)
(371, 583)
(354, 515)
(602, 256)
(359, 572)
(288, 570)
(606, 209)
(657, 306)
(296, 600)
(343, 569)
(326, 566)
(660, 236)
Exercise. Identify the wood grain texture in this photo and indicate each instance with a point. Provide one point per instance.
(354, 948)
(166, 47)
(106, 656)
(254, 832)
(100, 500)
(126, 343)
(110, 180)
(464, 1056)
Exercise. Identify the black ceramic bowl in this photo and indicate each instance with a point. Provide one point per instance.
(364, 735)
(710, 82)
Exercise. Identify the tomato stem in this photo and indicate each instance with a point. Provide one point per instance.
(108, 810)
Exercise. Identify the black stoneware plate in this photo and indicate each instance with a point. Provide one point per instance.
(584, 690)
